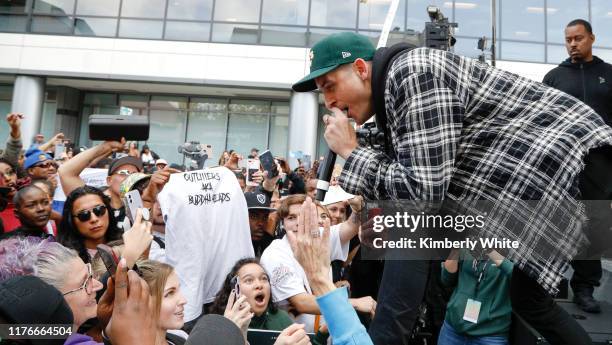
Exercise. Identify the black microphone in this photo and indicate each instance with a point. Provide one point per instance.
(325, 175)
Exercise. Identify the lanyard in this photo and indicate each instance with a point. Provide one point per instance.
(480, 274)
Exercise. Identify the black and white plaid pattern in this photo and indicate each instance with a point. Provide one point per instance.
(462, 130)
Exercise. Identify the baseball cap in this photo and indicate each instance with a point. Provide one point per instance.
(161, 161)
(115, 164)
(333, 51)
(131, 181)
(213, 329)
(35, 156)
(29, 300)
(258, 201)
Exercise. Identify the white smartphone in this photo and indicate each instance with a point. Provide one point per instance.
(132, 202)
(252, 167)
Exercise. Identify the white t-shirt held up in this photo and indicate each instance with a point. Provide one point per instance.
(207, 231)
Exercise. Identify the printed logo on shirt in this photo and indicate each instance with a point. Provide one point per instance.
(280, 274)
(602, 80)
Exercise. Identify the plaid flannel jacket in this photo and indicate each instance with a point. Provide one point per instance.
(462, 130)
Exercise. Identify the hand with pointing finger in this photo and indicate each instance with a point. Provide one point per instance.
(339, 133)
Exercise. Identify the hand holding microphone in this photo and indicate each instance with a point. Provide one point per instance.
(341, 139)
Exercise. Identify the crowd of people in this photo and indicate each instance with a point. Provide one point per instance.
(220, 255)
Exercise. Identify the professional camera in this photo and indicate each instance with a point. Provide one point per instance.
(370, 136)
(439, 32)
(195, 151)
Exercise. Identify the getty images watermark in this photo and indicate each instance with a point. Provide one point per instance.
(412, 230)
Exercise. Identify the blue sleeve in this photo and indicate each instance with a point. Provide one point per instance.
(342, 320)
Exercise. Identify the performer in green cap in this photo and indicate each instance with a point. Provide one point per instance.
(458, 129)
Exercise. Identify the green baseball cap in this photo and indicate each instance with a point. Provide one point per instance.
(333, 51)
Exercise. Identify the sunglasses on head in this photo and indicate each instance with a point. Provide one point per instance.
(85, 215)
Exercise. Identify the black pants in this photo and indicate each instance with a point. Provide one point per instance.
(540, 310)
(587, 274)
(401, 292)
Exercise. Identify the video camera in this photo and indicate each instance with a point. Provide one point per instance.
(197, 152)
(439, 32)
(370, 136)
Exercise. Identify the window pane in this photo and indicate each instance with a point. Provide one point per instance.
(56, 25)
(136, 28)
(167, 132)
(281, 108)
(604, 54)
(393, 38)
(133, 104)
(279, 134)
(556, 53)
(523, 20)
(601, 12)
(237, 11)
(467, 47)
(246, 132)
(522, 51)
(169, 103)
(54, 6)
(98, 8)
(96, 27)
(341, 14)
(47, 125)
(280, 35)
(285, 12)
(417, 13)
(185, 31)
(190, 9)
(561, 12)
(18, 6)
(208, 125)
(247, 106)
(143, 8)
(235, 33)
(473, 16)
(372, 15)
(11, 23)
(318, 34)
(6, 94)
(100, 99)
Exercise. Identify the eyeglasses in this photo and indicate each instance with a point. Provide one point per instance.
(122, 172)
(87, 284)
(46, 165)
(85, 215)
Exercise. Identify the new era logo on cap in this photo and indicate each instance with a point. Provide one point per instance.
(345, 55)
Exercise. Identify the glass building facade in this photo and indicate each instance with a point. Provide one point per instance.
(527, 30)
(238, 124)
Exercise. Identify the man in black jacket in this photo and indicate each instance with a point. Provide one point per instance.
(589, 79)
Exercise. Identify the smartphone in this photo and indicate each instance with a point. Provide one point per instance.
(307, 161)
(109, 258)
(115, 127)
(252, 167)
(268, 163)
(59, 149)
(132, 202)
(235, 283)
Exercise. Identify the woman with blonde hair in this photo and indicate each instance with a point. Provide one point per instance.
(168, 301)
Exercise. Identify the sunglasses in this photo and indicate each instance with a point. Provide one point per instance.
(123, 172)
(87, 284)
(46, 165)
(85, 215)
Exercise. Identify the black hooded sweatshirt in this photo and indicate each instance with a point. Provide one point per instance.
(590, 82)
